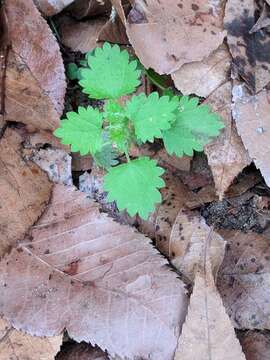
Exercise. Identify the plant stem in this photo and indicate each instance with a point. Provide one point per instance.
(127, 156)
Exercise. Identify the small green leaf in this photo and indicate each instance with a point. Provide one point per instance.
(134, 186)
(194, 127)
(150, 115)
(82, 130)
(111, 75)
(72, 71)
(106, 157)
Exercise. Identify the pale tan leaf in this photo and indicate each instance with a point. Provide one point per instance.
(204, 77)
(80, 36)
(207, 332)
(52, 7)
(82, 351)
(250, 57)
(252, 117)
(102, 281)
(256, 345)
(226, 155)
(17, 345)
(189, 241)
(25, 190)
(244, 280)
(35, 79)
(167, 34)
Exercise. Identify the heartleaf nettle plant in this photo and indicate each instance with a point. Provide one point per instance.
(181, 122)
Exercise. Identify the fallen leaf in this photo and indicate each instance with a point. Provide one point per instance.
(166, 35)
(35, 80)
(256, 345)
(226, 155)
(173, 162)
(114, 31)
(252, 117)
(52, 7)
(102, 281)
(207, 332)
(16, 345)
(89, 8)
(250, 51)
(244, 279)
(80, 36)
(190, 238)
(56, 163)
(263, 21)
(40, 138)
(81, 163)
(204, 77)
(25, 190)
(81, 351)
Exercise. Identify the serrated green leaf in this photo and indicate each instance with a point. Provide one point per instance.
(134, 186)
(114, 112)
(106, 157)
(194, 127)
(150, 115)
(82, 130)
(110, 75)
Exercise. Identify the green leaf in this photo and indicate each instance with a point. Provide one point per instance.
(82, 130)
(72, 71)
(150, 115)
(106, 157)
(111, 75)
(194, 127)
(134, 186)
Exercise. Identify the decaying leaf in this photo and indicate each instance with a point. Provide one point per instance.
(80, 36)
(256, 345)
(204, 77)
(263, 21)
(252, 117)
(226, 155)
(52, 7)
(89, 8)
(250, 51)
(167, 34)
(17, 345)
(172, 161)
(35, 79)
(81, 351)
(24, 188)
(207, 332)
(114, 31)
(102, 281)
(190, 238)
(244, 280)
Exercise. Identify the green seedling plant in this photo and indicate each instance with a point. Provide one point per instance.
(182, 124)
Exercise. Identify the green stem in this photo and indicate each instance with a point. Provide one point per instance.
(127, 156)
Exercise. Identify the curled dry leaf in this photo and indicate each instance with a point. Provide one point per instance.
(189, 241)
(256, 345)
(35, 79)
(207, 332)
(89, 8)
(204, 77)
(81, 351)
(80, 36)
(226, 155)
(17, 345)
(167, 34)
(252, 117)
(102, 281)
(52, 7)
(25, 190)
(244, 280)
(250, 51)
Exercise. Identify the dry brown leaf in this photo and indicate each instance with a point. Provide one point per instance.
(25, 191)
(52, 7)
(81, 351)
(81, 163)
(256, 345)
(263, 21)
(252, 117)
(250, 51)
(207, 332)
(166, 34)
(102, 281)
(17, 345)
(172, 161)
(80, 36)
(41, 138)
(89, 8)
(35, 79)
(204, 77)
(114, 31)
(190, 238)
(226, 155)
(244, 280)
